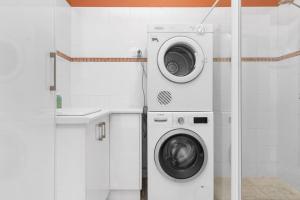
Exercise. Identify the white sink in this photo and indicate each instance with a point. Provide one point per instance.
(79, 115)
(76, 111)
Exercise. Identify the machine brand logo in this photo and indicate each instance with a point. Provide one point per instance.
(155, 40)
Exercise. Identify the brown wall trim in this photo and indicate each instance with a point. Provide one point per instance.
(109, 59)
(228, 59)
(64, 56)
(289, 55)
(217, 59)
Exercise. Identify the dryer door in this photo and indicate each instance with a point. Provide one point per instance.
(181, 155)
(181, 59)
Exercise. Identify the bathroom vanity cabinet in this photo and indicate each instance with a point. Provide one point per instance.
(98, 155)
(82, 157)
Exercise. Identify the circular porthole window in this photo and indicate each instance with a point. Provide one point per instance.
(181, 59)
(181, 155)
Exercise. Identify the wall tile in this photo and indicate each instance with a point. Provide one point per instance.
(63, 44)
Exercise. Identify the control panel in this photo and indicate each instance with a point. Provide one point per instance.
(181, 119)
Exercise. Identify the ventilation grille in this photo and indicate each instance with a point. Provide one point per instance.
(164, 97)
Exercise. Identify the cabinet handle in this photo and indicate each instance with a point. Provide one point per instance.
(53, 87)
(100, 131)
(103, 130)
(98, 134)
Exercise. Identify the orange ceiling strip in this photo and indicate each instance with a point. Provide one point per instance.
(167, 3)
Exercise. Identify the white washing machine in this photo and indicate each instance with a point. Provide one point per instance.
(180, 68)
(180, 155)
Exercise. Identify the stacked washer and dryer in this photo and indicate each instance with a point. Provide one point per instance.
(180, 118)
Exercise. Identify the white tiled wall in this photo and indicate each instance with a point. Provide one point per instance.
(288, 84)
(259, 119)
(120, 32)
(63, 44)
(271, 95)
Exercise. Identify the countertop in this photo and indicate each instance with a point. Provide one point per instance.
(82, 116)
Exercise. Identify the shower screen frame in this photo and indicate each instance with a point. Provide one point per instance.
(236, 109)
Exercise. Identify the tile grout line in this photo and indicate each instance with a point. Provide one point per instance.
(216, 59)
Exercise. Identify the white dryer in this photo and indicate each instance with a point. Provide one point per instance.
(180, 68)
(180, 155)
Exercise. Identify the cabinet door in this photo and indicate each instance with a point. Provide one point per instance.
(125, 152)
(97, 161)
(27, 106)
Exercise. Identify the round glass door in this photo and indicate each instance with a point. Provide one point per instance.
(181, 59)
(181, 155)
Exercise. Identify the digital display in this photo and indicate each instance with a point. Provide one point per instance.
(200, 120)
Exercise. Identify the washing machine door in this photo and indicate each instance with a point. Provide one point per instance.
(181, 59)
(181, 155)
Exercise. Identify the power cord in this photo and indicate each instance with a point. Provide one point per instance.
(144, 76)
(144, 120)
(210, 11)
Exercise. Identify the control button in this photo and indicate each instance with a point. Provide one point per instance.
(180, 120)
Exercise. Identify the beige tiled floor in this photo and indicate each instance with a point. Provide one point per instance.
(257, 188)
